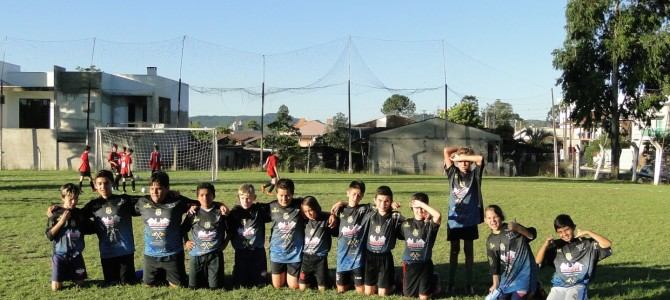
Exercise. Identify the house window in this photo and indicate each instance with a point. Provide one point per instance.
(164, 110)
(34, 113)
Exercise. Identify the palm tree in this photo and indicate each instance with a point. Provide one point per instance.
(535, 137)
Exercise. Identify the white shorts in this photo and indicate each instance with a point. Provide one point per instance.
(577, 292)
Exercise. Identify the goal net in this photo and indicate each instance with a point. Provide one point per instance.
(181, 149)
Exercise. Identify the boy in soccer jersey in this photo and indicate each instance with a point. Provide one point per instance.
(419, 234)
(208, 229)
(162, 214)
(464, 170)
(352, 219)
(111, 215)
(511, 260)
(65, 228)
(127, 168)
(318, 239)
(382, 233)
(574, 256)
(287, 236)
(155, 160)
(85, 168)
(246, 228)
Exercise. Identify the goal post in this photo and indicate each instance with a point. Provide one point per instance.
(181, 149)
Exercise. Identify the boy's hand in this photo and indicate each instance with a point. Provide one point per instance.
(332, 221)
(513, 226)
(189, 245)
(395, 205)
(581, 233)
(66, 215)
(193, 210)
(415, 203)
(50, 210)
(224, 209)
(335, 210)
(549, 240)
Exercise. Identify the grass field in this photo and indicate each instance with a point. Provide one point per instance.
(631, 215)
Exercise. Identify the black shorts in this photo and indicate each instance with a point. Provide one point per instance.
(379, 269)
(251, 268)
(314, 266)
(128, 175)
(120, 269)
(66, 267)
(206, 271)
(354, 276)
(164, 270)
(292, 269)
(85, 174)
(417, 278)
(469, 233)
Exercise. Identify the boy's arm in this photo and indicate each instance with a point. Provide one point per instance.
(186, 226)
(476, 159)
(530, 233)
(54, 227)
(603, 242)
(434, 213)
(540, 257)
(448, 151)
(337, 207)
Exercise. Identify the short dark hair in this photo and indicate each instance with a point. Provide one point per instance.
(358, 184)
(286, 184)
(161, 178)
(87, 148)
(420, 197)
(69, 188)
(384, 191)
(312, 203)
(105, 174)
(496, 210)
(208, 186)
(563, 220)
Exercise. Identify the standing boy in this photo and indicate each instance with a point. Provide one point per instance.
(287, 236)
(246, 225)
(271, 169)
(208, 230)
(127, 168)
(155, 160)
(419, 234)
(464, 170)
(114, 165)
(382, 234)
(66, 228)
(85, 168)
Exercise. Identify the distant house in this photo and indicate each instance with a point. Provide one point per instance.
(309, 131)
(48, 110)
(417, 148)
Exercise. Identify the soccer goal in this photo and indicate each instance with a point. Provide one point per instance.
(181, 149)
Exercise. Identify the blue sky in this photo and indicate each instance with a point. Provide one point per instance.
(493, 49)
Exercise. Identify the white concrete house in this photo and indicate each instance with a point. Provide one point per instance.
(47, 111)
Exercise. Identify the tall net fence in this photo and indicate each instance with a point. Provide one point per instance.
(316, 81)
(181, 149)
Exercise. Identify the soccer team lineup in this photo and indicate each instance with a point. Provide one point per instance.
(302, 231)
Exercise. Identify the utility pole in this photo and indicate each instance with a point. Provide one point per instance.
(553, 125)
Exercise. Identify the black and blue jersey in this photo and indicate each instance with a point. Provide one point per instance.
(246, 227)
(383, 231)
(208, 230)
(419, 236)
(162, 225)
(511, 258)
(318, 236)
(465, 197)
(575, 262)
(351, 236)
(287, 237)
(112, 221)
(69, 240)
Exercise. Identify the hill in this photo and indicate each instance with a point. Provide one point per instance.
(225, 121)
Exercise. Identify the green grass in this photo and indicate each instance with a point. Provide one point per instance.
(632, 216)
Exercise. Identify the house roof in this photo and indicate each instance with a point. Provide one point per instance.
(434, 129)
(390, 121)
(311, 127)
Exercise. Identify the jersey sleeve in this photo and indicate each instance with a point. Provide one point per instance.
(186, 226)
(51, 221)
(532, 232)
(601, 253)
(549, 255)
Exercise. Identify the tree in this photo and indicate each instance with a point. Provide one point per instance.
(614, 47)
(284, 137)
(500, 113)
(253, 125)
(338, 133)
(398, 105)
(466, 112)
(535, 137)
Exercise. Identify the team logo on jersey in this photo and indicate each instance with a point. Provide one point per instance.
(286, 216)
(378, 229)
(206, 235)
(415, 243)
(568, 256)
(159, 211)
(376, 242)
(580, 247)
(571, 269)
(350, 231)
(196, 220)
(206, 245)
(158, 223)
(158, 235)
(108, 210)
(415, 232)
(415, 255)
(502, 247)
(275, 210)
(508, 257)
(350, 219)
(286, 227)
(492, 246)
(207, 225)
(246, 232)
